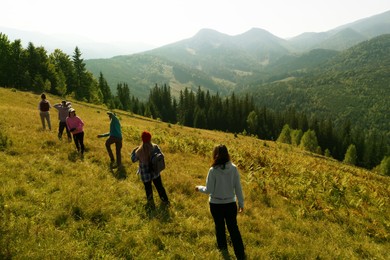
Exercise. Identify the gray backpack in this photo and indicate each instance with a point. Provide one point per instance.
(157, 160)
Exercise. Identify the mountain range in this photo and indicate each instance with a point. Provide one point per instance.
(341, 73)
(223, 63)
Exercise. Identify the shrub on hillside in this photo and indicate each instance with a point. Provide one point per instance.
(309, 141)
(4, 141)
(385, 166)
(351, 155)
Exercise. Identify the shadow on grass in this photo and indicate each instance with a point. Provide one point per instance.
(225, 254)
(119, 172)
(161, 212)
(74, 156)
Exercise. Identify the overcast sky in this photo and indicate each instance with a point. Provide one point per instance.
(159, 22)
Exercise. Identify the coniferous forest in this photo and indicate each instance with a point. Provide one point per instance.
(33, 69)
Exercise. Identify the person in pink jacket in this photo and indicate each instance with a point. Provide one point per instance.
(76, 127)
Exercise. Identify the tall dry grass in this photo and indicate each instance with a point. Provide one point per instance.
(56, 205)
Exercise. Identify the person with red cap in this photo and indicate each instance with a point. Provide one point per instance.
(143, 154)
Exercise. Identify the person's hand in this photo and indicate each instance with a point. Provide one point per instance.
(196, 188)
(240, 210)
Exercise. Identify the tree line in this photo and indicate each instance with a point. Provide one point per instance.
(200, 109)
(33, 69)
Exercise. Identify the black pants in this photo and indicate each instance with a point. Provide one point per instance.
(227, 212)
(79, 141)
(160, 189)
(118, 146)
(61, 128)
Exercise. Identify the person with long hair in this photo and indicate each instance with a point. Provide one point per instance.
(143, 154)
(76, 127)
(224, 188)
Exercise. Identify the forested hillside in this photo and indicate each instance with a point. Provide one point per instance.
(351, 86)
(57, 73)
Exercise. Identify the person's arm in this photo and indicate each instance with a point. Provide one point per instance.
(57, 106)
(210, 184)
(80, 123)
(134, 157)
(238, 191)
(68, 124)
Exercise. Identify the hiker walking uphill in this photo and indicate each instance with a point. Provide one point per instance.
(63, 112)
(115, 137)
(76, 127)
(44, 107)
(143, 153)
(224, 188)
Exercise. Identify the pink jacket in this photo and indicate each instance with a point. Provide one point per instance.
(75, 122)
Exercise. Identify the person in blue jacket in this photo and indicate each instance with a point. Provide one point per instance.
(115, 137)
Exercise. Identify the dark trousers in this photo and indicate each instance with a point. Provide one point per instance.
(61, 128)
(118, 146)
(79, 141)
(227, 213)
(159, 187)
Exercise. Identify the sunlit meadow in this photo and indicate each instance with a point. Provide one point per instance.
(55, 204)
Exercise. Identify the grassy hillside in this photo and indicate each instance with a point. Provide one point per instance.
(54, 204)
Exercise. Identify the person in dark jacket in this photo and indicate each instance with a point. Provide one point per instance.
(44, 107)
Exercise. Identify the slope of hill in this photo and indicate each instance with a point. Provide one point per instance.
(54, 204)
(353, 85)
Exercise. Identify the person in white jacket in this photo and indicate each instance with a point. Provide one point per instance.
(224, 188)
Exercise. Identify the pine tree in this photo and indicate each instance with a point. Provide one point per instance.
(123, 93)
(105, 89)
(252, 122)
(82, 83)
(64, 65)
(296, 136)
(351, 155)
(385, 166)
(285, 135)
(309, 141)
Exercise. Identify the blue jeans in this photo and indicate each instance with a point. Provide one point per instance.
(227, 213)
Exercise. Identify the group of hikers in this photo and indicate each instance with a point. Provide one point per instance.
(223, 183)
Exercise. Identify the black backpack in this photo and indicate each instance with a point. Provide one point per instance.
(44, 106)
(157, 160)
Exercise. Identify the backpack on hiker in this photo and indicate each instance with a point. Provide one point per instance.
(44, 106)
(157, 160)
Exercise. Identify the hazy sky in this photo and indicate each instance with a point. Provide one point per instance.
(159, 22)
